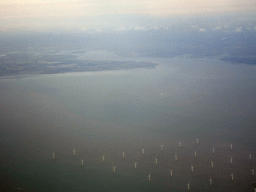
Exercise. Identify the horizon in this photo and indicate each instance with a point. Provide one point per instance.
(95, 16)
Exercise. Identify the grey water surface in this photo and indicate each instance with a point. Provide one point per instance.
(110, 112)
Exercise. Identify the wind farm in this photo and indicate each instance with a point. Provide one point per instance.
(220, 172)
(171, 168)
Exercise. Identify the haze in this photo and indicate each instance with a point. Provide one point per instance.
(100, 14)
(108, 77)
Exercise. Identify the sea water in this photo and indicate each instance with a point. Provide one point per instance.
(110, 112)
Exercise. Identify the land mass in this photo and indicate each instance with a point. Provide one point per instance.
(28, 63)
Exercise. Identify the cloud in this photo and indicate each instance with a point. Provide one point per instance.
(217, 28)
(40, 8)
(239, 30)
(120, 29)
(68, 14)
(202, 30)
(139, 28)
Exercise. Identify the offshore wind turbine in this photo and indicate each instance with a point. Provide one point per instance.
(179, 144)
(250, 156)
(176, 157)
(212, 163)
(188, 186)
(197, 140)
(135, 164)
(142, 151)
(195, 153)
(232, 176)
(231, 146)
(123, 154)
(192, 168)
(103, 157)
(171, 172)
(149, 179)
(82, 162)
(74, 151)
(213, 150)
(156, 160)
(254, 187)
(231, 160)
(53, 155)
(162, 147)
(210, 181)
(114, 169)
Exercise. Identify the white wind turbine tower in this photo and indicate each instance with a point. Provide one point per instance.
(210, 181)
(162, 147)
(149, 179)
(135, 164)
(231, 160)
(82, 162)
(197, 140)
(250, 156)
(188, 186)
(195, 153)
(171, 172)
(192, 168)
(212, 163)
(123, 154)
(232, 176)
(156, 160)
(252, 171)
(254, 187)
(53, 155)
(179, 144)
(114, 169)
(142, 151)
(231, 146)
(213, 150)
(176, 157)
(74, 151)
(103, 157)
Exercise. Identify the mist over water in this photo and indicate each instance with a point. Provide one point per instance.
(109, 112)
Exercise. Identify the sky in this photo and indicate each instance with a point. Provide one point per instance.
(43, 15)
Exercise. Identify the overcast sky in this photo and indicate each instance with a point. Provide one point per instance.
(87, 14)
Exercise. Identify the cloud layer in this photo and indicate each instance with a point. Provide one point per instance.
(67, 14)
